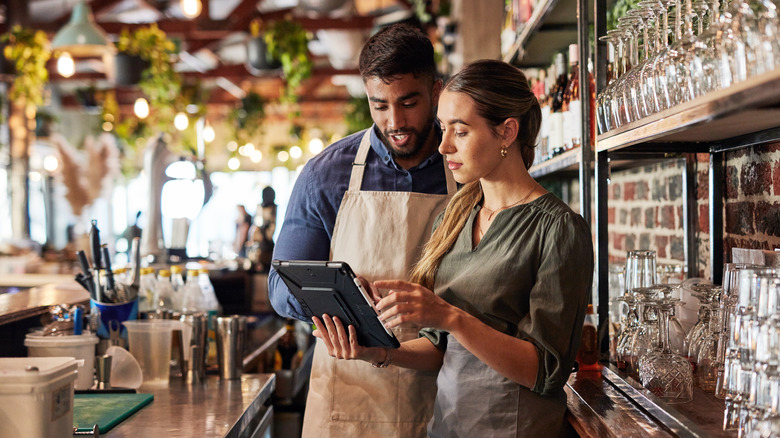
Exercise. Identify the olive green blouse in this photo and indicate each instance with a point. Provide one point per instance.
(529, 277)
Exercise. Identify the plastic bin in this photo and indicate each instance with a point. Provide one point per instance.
(36, 396)
(78, 346)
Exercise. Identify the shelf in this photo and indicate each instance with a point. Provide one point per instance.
(567, 161)
(746, 107)
(551, 28)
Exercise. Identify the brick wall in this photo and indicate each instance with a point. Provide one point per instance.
(752, 199)
(645, 207)
(645, 211)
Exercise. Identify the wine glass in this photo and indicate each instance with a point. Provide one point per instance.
(684, 70)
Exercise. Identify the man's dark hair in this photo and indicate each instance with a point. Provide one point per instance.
(397, 50)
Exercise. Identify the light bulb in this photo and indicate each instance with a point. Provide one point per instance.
(283, 156)
(181, 121)
(233, 163)
(50, 163)
(66, 67)
(316, 145)
(191, 8)
(256, 156)
(141, 108)
(208, 134)
(296, 152)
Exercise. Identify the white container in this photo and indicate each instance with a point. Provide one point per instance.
(36, 403)
(78, 346)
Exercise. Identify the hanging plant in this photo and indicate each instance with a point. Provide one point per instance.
(159, 81)
(288, 42)
(28, 50)
(246, 119)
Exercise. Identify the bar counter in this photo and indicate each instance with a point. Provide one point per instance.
(215, 408)
(610, 404)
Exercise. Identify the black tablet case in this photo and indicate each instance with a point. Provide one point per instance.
(330, 288)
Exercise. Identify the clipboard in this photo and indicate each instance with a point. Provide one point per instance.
(332, 288)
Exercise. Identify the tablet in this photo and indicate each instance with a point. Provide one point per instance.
(325, 287)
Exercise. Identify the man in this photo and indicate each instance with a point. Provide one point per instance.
(370, 200)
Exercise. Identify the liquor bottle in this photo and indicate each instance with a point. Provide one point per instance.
(588, 354)
(573, 104)
(287, 355)
(540, 92)
(556, 105)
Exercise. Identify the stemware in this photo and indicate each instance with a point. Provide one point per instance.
(666, 374)
(613, 39)
(684, 71)
(627, 99)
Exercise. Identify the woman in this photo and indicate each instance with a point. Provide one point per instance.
(511, 266)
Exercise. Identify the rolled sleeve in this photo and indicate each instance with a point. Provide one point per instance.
(558, 301)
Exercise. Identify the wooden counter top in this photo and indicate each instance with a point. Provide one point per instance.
(607, 404)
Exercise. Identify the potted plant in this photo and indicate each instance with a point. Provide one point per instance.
(287, 42)
(158, 80)
(258, 58)
(246, 119)
(28, 51)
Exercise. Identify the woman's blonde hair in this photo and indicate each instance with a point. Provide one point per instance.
(500, 92)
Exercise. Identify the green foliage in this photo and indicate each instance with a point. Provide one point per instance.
(288, 42)
(358, 116)
(618, 10)
(246, 119)
(160, 82)
(29, 51)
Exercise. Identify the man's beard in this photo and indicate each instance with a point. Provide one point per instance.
(420, 138)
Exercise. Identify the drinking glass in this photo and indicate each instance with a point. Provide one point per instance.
(646, 336)
(708, 363)
(640, 269)
(665, 374)
(728, 303)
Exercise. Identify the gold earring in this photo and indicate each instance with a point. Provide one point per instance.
(503, 152)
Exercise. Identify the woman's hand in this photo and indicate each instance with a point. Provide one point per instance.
(412, 303)
(342, 346)
(370, 289)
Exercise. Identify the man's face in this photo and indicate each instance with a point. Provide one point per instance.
(403, 112)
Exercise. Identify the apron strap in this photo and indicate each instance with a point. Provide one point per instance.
(359, 166)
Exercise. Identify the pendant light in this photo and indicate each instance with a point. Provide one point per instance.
(81, 37)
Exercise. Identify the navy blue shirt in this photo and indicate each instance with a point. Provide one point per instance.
(316, 197)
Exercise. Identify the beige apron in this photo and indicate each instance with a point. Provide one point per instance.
(380, 235)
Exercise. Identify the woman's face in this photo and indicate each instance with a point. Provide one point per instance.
(469, 143)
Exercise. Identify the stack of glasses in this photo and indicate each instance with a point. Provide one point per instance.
(750, 350)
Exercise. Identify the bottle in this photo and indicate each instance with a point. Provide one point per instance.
(147, 296)
(540, 91)
(588, 354)
(192, 296)
(165, 293)
(556, 106)
(212, 310)
(572, 123)
(177, 284)
(287, 355)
